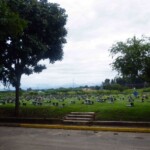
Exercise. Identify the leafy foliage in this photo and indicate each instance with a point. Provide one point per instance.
(10, 22)
(132, 58)
(42, 38)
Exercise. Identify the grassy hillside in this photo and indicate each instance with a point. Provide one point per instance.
(108, 106)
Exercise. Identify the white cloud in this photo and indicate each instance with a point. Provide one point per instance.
(93, 26)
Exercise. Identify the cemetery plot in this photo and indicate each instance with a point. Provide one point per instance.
(123, 106)
(66, 100)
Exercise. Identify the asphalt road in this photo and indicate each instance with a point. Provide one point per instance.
(15, 138)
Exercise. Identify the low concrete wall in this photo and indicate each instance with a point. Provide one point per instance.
(122, 123)
(59, 121)
(31, 120)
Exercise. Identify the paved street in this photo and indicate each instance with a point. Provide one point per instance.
(12, 138)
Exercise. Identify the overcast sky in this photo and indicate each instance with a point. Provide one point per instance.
(93, 26)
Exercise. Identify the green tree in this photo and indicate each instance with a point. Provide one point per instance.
(107, 82)
(43, 38)
(10, 22)
(120, 81)
(132, 58)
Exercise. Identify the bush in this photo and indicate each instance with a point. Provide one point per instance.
(146, 90)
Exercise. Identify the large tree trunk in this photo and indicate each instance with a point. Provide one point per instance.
(17, 96)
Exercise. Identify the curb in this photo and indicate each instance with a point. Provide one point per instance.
(88, 128)
(53, 121)
(30, 120)
(123, 123)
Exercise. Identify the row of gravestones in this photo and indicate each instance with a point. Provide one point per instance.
(38, 100)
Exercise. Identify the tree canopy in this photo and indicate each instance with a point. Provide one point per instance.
(10, 22)
(132, 58)
(41, 38)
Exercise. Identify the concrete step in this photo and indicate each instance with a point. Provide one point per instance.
(77, 122)
(78, 118)
(83, 113)
(81, 116)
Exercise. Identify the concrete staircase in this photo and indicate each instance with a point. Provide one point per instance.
(79, 118)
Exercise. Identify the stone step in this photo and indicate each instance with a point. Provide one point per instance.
(77, 122)
(77, 118)
(81, 116)
(83, 113)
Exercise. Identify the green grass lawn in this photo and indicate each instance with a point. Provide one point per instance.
(117, 111)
